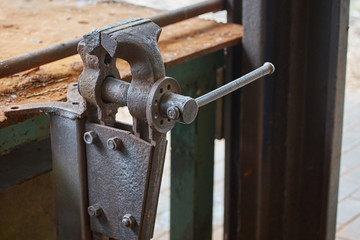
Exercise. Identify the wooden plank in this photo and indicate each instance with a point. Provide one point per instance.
(178, 43)
(192, 154)
(196, 37)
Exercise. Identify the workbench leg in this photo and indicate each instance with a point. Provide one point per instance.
(192, 155)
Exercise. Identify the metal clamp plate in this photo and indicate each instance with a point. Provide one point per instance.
(117, 180)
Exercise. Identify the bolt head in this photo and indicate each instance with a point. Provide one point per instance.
(114, 143)
(128, 221)
(173, 113)
(90, 137)
(95, 210)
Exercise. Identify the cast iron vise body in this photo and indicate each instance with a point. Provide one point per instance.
(107, 173)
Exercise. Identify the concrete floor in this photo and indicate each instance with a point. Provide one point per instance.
(348, 214)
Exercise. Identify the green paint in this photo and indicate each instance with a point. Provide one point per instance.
(192, 154)
(33, 129)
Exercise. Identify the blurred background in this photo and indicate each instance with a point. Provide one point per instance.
(348, 214)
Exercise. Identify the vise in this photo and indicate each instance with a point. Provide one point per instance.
(108, 173)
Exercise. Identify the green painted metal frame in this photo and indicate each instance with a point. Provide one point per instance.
(33, 129)
(192, 154)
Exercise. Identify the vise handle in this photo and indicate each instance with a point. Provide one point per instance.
(175, 106)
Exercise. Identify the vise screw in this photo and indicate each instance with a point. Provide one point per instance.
(107, 173)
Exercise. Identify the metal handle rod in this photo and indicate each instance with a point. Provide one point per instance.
(62, 50)
(267, 68)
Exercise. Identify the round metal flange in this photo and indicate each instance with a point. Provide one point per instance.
(160, 121)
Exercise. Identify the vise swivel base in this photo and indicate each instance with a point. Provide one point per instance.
(107, 173)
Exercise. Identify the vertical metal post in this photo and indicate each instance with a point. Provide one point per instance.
(231, 130)
(69, 169)
(295, 117)
(192, 154)
(243, 130)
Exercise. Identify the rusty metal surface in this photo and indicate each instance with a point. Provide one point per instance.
(98, 51)
(153, 188)
(52, 53)
(117, 181)
(139, 38)
(69, 169)
(127, 214)
(157, 119)
(34, 59)
(115, 90)
(74, 107)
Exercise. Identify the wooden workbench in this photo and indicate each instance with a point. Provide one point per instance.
(58, 21)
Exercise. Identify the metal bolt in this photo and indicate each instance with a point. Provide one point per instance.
(95, 210)
(128, 221)
(173, 113)
(114, 143)
(90, 137)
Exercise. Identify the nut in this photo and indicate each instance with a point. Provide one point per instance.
(90, 137)
(114, 143)
(173, 113)
(95, 210)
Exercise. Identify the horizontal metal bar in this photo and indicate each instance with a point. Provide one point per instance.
(115, 91)
(267, 68)
(177, 15)
(62, 50)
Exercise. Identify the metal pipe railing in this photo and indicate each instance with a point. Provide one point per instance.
(62, 50)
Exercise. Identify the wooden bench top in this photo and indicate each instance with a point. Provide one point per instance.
(29, 25)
